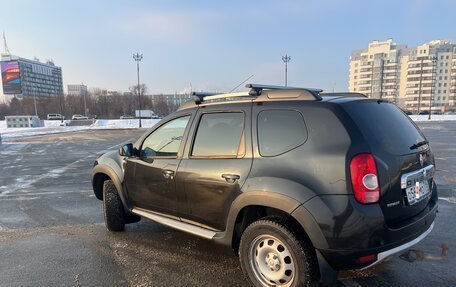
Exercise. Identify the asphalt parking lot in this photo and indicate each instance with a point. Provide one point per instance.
(52, 231)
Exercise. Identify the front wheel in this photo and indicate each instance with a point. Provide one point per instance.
(273, 254)
(114, 214)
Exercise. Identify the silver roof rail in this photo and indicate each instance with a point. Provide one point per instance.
(199, 97)
(203, 97)
(258, 88)
(344, 94)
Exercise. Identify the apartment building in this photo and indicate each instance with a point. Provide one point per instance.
(376, 71)
(417, 79)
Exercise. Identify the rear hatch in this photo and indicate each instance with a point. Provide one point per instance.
(403, 157)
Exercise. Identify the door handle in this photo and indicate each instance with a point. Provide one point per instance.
(168, 174)
(231, 178)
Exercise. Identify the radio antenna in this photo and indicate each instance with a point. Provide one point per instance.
(241, 84)
(7, 52)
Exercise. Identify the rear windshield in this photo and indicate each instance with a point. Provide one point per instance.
(385, 125)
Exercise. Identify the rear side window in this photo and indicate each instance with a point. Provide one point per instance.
(385, 126)
(219, 135)
(280, 131)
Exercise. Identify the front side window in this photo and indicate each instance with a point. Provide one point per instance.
(280, 131)
(219, 135)
(165, 140)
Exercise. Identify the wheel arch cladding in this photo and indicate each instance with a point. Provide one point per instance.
(98, 180)
(254, 205)
(102, 173)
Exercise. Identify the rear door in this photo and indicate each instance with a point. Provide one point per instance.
(216, 163)
(404, 160)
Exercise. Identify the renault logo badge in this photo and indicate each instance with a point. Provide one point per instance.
(421, 160)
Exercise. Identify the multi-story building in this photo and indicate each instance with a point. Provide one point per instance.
(177, 99)
(417, 79)
(429, 77)
(77, 90)
(24, 78)
(167, 103)
(171, 100)
(376, 71)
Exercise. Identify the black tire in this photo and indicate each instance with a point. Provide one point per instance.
(299, 269)
(114, 214)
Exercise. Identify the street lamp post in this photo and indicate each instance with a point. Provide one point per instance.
(434, 62)
(138, 57)
(420, 86)
(286, 59)
(84, 91)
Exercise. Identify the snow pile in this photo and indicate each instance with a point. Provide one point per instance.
(54, 124)
(123, 124)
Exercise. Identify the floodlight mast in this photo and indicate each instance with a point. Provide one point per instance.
(286, 59)
(138, 57)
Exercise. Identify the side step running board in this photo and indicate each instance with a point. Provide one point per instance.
(176, 224)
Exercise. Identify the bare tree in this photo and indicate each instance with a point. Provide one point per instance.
(99, 104)
(134, 89)
(4, 110)
(160, 105)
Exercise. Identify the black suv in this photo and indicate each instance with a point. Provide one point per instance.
(301, 184)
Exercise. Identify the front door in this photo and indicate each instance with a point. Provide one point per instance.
(150, 176)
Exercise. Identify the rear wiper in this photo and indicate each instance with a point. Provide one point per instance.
(418, 144)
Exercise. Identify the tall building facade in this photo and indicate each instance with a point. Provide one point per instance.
(417, 79)
(24, 78)
(77, 90)
(376, 71)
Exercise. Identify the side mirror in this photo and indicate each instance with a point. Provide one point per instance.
(126, 150)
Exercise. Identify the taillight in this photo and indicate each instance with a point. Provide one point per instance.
(367, 259)
(364, 178)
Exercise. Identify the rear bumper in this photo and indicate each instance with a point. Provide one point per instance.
(347, 231)
(392, 241)
(388, 253)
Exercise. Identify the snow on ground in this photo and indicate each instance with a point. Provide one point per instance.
(434, 118)
(123, 124)
(53, 127)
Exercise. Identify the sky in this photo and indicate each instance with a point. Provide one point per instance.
(214, 45)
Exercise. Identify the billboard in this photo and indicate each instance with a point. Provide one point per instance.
(11, 78)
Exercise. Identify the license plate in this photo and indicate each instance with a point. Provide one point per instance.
(417, 192)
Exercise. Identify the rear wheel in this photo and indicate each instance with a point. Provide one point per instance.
(114, 214)
(273, 254)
